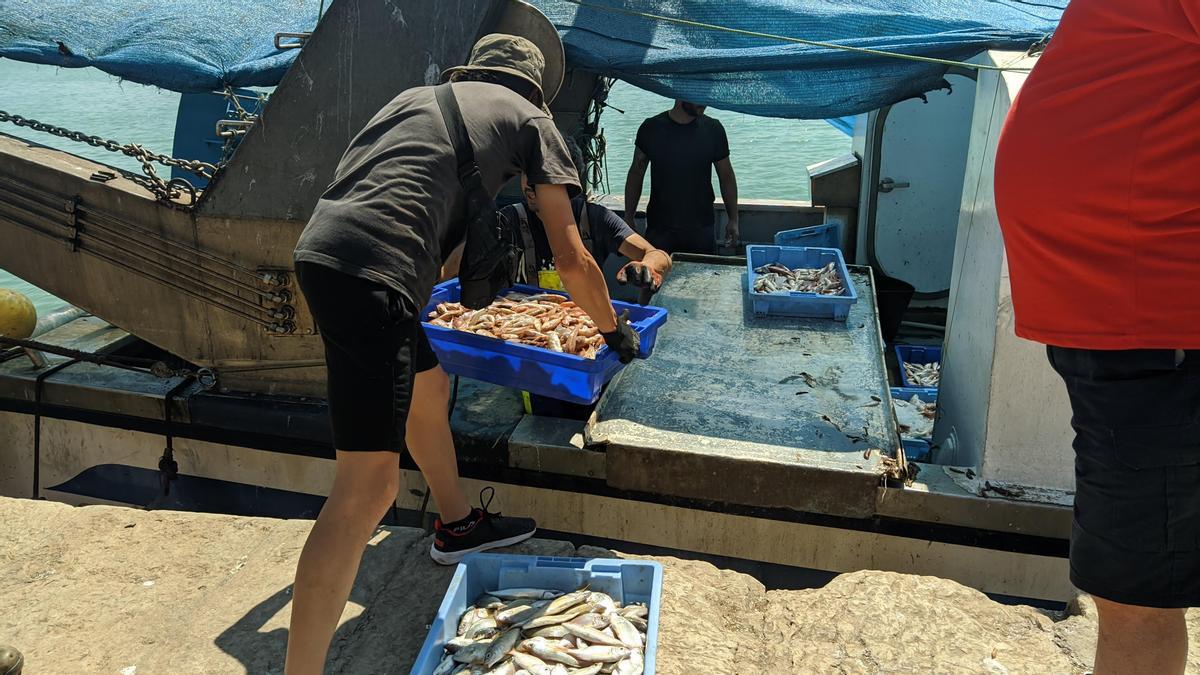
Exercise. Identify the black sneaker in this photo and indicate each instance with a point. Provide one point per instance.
(480, 531)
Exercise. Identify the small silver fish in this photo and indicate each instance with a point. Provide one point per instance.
(471, 616)
(590, 670)
(552, 620)
(591, 620)
(631, 665)
(565, 602)
(525, 594)
(447, 666)
(457, 643)
(519, 614)
(483, 628)
(626, 632)
(546, 651)
(490, 602)
(592, 636)
(599, 654)
(527, 661)
(506, 668)
(552, 632)
(501, 646)
(640, 611)
(473, 654)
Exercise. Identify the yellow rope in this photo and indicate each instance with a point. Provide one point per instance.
(784, 38)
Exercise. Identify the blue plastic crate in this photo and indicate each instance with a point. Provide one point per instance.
(794, 303)
(540, 371)
(926, 394)
(919, 354)
(916, 449)
(827, 235)
(625, 580)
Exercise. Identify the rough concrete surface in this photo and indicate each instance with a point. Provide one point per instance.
(102, 589)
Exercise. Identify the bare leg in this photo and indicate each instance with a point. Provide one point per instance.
(432, 445)
(1136, 640)
(363, 490)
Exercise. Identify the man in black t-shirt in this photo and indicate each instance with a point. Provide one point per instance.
(681, 146)
(366, 263)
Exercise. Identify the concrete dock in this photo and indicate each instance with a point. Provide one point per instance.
(101, 589)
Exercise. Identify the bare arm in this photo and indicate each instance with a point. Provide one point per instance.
(729, 195)
(577, 269)
(633, 185)
(452, 262)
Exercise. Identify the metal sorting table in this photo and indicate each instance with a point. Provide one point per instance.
(759, 411)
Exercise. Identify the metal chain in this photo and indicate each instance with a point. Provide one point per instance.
(162, 189)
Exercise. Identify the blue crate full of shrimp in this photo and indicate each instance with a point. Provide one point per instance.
(628, 582)
(827, 235)
(812, 271)
(553, 370)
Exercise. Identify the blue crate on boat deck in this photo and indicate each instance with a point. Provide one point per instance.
(827, 235)
(625, 580)
(916, 449)
(794, 303)
(540, 371)
(919, 354)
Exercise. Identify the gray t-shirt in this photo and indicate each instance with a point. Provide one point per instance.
(396, 205)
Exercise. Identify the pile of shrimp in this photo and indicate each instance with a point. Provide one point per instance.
(545, 320)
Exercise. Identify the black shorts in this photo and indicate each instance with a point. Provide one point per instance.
(1136, 535)
(374, 346)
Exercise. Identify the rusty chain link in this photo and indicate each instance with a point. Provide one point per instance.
(164, 190)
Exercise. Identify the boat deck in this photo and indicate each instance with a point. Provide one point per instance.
(793, 407)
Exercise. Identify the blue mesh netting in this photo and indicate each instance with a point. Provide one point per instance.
(203, 45)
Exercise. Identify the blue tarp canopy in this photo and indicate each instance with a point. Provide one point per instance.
(205, 45)
(769, 77)
(193, 46)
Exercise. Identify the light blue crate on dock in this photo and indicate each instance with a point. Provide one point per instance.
(625, 580)
(826, 235)
(795, 303)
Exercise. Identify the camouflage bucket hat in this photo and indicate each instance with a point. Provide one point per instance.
(510, 54)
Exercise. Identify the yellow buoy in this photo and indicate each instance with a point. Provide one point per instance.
(18, 316)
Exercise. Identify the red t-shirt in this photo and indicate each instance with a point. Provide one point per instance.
(1098, 180)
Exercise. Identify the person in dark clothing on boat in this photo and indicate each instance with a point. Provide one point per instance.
(681, 147)
(367, 262)
(603, 232)
(1098, 198)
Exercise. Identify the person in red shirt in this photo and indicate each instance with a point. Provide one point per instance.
(1098, 193)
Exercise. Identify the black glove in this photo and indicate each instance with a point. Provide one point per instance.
(640, 274)
(624, 340)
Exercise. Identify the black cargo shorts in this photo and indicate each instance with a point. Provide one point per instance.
(1136, 415)
(374, 347)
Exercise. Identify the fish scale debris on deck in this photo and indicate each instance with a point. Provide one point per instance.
(547, 632)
